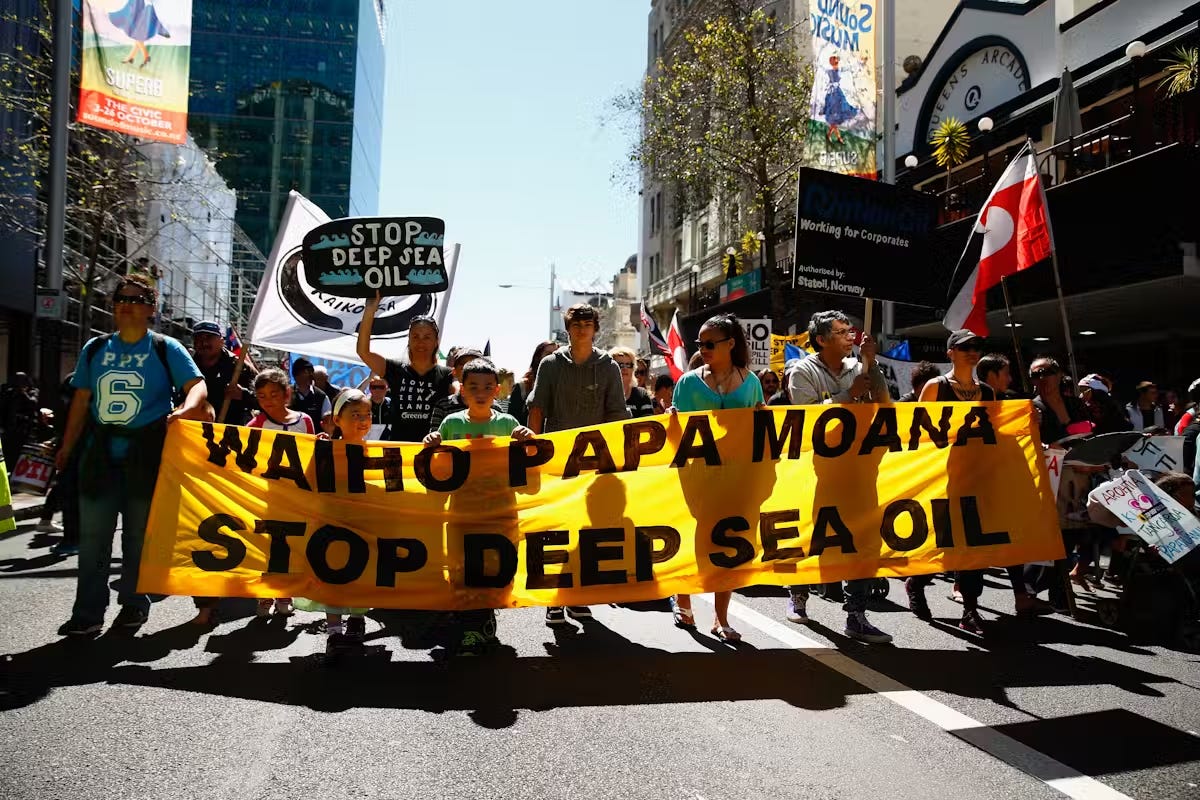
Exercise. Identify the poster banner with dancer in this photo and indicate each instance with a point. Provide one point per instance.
(841, 126)
(135, 67)
(622, 512)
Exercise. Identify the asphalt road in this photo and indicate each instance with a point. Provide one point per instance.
(629, 707)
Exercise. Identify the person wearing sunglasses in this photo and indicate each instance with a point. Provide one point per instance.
(834, 375)
(723, 380)
(1061, 415)
(642, 374)
(960, 384)
(637, 400)
(122, 405)
(771, 388)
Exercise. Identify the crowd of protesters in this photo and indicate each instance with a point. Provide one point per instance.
(130, 385)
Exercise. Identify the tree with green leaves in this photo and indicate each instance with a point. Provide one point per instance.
(724, 112)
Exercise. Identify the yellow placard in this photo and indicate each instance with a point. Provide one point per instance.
(779, 348)
(621, 512)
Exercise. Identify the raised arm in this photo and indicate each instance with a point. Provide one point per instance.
(375, 362)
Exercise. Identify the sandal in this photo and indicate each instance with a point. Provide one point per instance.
(726, 634)
(683, 617)
(206, 618)
(264, 607)
(1082, 582)
(283, 607)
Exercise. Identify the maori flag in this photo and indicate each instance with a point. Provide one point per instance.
(658, 342)
(1011, 234)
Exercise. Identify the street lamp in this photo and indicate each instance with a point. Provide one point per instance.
(985, 127)
(730, 263)
(521, 286)
(1135, 50)
(762, 255)
(910, 161)
(693, 283)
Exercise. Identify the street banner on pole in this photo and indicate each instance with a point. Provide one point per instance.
(134, 67)
(292, 315)
(841, 126)
(623, 512)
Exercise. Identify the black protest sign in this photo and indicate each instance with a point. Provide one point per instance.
(365, 256)
(866, 239)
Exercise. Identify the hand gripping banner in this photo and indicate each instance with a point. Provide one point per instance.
(621, 512)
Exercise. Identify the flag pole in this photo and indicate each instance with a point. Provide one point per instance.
(233, 381)
(1016, 340)
(451, 274)
(1062, 303)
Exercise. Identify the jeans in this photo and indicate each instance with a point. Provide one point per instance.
(970, 584)
(64, 497)
(97, 524)
(856, 594)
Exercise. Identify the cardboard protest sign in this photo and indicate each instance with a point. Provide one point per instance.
(365, 256)
(621, 512)
(1156, 517)
(1156, 453)
(34, 468)
(758, 336)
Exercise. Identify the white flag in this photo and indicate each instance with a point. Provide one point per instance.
(292, 316)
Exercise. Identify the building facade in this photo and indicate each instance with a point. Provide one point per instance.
(1118, 154)
(682, 256)
(290, 96)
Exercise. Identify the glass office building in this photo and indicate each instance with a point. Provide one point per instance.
(288, 94)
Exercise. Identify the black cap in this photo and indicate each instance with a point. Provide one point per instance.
(469, 353)
(207, 326)
(300, 364)
(963, 336)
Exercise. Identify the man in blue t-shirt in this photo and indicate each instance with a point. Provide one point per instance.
(124, 384)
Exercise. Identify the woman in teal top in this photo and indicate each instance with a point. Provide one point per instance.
(724, 380)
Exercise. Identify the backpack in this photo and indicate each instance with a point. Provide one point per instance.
(158, 345)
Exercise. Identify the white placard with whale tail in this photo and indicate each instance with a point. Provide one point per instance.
(291, 315)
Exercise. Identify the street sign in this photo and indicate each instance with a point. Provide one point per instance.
(49, 304)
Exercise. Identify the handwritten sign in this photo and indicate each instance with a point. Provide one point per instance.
(365, 256)
(1054, 465)
(758, 336)
(34, 468)
(1156, 517)
(1156, 453)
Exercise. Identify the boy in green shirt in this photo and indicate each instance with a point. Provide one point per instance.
(480, 387)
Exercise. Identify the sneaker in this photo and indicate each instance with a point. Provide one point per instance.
(473, 643)
(1029, 606)
(64, 549)
(264, 607)
(556, 616)
(916, 599)
(858, 627)
(955, 593)
(76, 627)
(797, 610)
(971, 622)
(356, 629)
(48, 526)
(130, 617)
(283, 607)
(581, 613)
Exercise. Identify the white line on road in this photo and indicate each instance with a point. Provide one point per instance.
(1053, 773)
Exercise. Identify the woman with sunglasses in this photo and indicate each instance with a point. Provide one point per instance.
(522, 388)
(960, 384)
(723, 380)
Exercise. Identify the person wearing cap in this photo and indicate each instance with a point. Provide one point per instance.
(1061, 415)
(307, 397)
(217, 365)
(964, 348)
(1145, 413)
(1106, 415)
(576, 386)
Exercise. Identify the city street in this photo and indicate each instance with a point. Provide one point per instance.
(630, 707)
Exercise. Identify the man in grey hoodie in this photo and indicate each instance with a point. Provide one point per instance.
(834, 375)
(575, 387)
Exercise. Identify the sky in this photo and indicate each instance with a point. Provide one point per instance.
(498, 120)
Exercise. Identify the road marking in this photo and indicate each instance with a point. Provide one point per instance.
(1054, 774)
